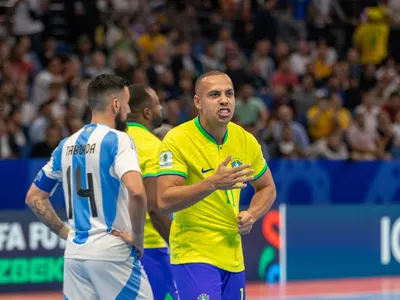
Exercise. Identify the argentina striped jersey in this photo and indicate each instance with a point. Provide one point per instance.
(90, 165)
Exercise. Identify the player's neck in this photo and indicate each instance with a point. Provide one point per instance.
(101, 118)
(217, 131)
(145, 123)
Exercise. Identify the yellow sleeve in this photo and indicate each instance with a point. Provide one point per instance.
(258, 162)
(150, 164)
(170, 159)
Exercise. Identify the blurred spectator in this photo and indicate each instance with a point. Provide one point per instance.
(45, 148)
(261, 55)
(396, 136)
(362, 141)
(98, 65)
(392, 107)
(50, 76)
(352, 94)
(17, 139)
(301, 58)
(332, 148)
(254, 130)
(26, 20)
(321, 13)
(265, 25)
(385, 137)
(37, 130)
(300, 68)
(369, 110)
(287, 146)
(184, 61)
(371, 37)
(284, 75)
(256, 78)
(393, 11)
(209, 59)
(250, 109)
(323, 66)
(5, 147)
(353, 59)
(121, 65)
(152, 39)
(327, 116)
(299, 135)
(304, 97)
(160, 64)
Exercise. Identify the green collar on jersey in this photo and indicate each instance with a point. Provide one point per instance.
(206, 134)
(134, 124)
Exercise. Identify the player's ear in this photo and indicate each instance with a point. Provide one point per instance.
(147, 113)
(115, 106)
(197, 103)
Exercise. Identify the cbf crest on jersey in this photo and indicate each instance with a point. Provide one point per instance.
(166, 160)
(203, 297)
(236, 162)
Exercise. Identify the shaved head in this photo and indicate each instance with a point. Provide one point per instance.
(199, 81)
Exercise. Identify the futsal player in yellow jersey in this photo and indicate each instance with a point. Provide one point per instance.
(145, 116)
(204, 164)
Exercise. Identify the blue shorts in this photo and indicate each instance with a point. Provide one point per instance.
(158, 269)
(197, 281)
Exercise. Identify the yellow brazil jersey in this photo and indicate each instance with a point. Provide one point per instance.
(147, 145)
(207, 231)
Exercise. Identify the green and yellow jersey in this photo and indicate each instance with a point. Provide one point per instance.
(147, 145)
(207, 232)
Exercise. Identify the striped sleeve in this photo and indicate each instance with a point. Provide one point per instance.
(50, 175)
(126, 158)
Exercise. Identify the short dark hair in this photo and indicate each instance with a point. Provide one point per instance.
(205, 75)
(101, 87)
(139, 99)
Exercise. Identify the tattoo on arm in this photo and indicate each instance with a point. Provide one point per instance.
(45, 212)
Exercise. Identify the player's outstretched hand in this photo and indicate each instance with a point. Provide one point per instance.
(231, 178)
(128, 238)
(245, 222)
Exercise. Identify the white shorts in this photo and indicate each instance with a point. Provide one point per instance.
(105, 280)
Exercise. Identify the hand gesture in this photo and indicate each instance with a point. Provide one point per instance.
(129, 239)
(231, 178)
(245, 222)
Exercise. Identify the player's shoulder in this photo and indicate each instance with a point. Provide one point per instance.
(238, 133)
(115, 140)
(178, 133)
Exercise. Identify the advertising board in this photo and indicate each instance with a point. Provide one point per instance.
(342, 241)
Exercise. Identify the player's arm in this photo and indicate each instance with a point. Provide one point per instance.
(127, 168)
(265, 191)
(160, 221)
(174, 196)
(264, 196)
(38, 201)
(136, 205)
(43, 186)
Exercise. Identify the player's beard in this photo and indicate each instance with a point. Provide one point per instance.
(119, 123)
(157, 121)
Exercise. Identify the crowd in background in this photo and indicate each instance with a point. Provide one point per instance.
(313, 78)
